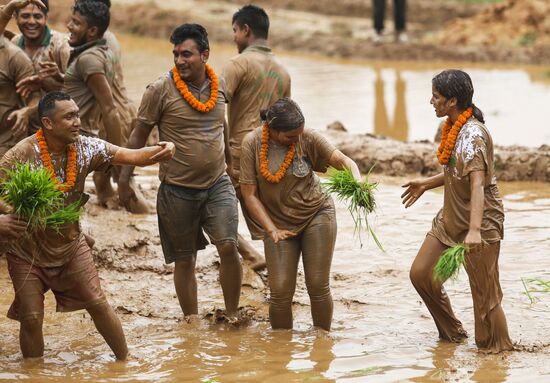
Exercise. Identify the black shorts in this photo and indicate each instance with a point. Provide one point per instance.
(184, 213)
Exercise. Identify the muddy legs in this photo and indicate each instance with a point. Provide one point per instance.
(230, 280)
(432, 292)
(108, 325)
(31, 339)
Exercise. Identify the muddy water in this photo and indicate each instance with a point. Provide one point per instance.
(390, 99)
(381, 331)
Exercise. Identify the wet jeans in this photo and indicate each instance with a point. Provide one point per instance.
(316, 245)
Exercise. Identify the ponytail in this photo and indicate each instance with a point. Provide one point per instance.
(478, 114)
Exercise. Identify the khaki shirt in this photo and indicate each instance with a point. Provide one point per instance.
(200, 158)
(55, 47)
(49, 248)
(127, 110)
(294, 201)
(473, 152)
(255, 80)
(14, 66)
(89, 59)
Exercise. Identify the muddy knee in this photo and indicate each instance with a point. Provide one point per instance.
(32, 325)
(227, 251)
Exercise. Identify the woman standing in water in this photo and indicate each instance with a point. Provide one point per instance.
(472, 213)
(293, 215)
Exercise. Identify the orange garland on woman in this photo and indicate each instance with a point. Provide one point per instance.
(449, 135)
(264, 169)
(191, 100)
(47, 161)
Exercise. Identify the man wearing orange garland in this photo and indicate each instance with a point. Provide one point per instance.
(62, 261)
(188, 106)
(254, 80)
(92, 82)
(14, 67)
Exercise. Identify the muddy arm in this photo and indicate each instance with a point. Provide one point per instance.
(339, 161)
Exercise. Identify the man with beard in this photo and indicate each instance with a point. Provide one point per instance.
(255, 80)
(14, 66)
(91, 81)
(61, 260)
(188, 106)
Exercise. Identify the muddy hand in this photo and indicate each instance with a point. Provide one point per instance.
(18, 4)
(28, 85)
(21, 121)
(50, 69)
(166, 153)
(473, 239)
(11, 227)
(414, 191)
(280, 235)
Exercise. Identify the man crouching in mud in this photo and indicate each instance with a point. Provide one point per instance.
(188, 105)
(45, 259)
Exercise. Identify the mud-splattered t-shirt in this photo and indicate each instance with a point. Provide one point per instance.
(48, 248)
(293, 202)
(473, 152)
(200, 158)
(87, 60)
(255, 80)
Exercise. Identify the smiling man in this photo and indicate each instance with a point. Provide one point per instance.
(15, 111)
(92, 82)
(62, 261)
(44, 46)
(188, 106)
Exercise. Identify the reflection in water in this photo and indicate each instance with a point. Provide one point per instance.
(399, 126)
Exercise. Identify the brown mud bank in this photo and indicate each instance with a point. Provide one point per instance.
(396, 158)
(344, 29)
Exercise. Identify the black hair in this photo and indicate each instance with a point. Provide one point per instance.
(47, 103)
(106, 2)
(458, 84)
(255, 17)
(195, 32)
(44, 10)
(96, 14)
(284, 115)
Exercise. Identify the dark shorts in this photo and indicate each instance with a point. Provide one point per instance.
(184, 213)
(75, 285)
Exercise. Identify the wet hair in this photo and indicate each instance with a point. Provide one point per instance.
(195, 32)
(95, 12)
(255, 17)
(285, 115)
(46, 106)
(458, 84)
(45, 11)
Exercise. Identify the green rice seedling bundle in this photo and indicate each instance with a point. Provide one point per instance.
(449, 263)
(36, 198)
(540, 286)
(359, 197)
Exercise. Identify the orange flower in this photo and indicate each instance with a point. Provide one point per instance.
(449, 135)
(191, 100)
(264, 169)
(47, 161)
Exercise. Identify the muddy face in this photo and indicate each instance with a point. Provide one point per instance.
(440, 103)
(31, 21)
(189, 60)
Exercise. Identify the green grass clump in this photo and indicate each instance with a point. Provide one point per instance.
(449, 263)
(359, 196)
(36, 199)
(541, 286)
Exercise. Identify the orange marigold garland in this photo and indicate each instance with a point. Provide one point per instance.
(449, 134)
(264, 169)
(47, 161)
(191, 100)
